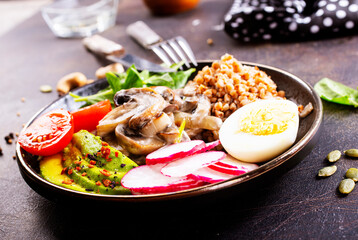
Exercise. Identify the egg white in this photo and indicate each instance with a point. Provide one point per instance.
(248, 147)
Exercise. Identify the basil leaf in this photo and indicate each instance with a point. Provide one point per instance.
(336, 92)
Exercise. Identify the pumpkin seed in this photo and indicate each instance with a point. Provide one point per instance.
(346, 186)
(45, 88)
(351, 152)
(352, 173)
(327, 171)
(334, 156)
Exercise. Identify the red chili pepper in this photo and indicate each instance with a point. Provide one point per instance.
(109, 160)
(84, 174)
(116, 154)
(64, 170)
(92, 162)
(105, 173)
(67, 181)
(77, 162)
(90, 166)
(78, 168)
(106, 182)
(98, 183)
(70, 171)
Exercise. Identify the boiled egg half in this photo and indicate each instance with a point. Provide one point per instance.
(261, 130)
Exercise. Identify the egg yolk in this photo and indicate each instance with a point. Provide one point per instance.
(265, 121)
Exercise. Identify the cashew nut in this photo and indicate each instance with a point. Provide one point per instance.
(71, 81)
(115, 67)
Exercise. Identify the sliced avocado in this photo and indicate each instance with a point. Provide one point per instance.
(51, 170)
(106, 156)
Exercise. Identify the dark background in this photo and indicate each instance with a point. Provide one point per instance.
(296, 205)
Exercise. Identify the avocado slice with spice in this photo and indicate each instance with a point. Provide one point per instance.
(93, 165)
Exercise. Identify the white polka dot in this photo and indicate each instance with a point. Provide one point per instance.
(228, 18)
(287, 19)
(247, 10)
(314, 29)
(343, 3)
(239, 20)
(333, 0)
(319, 12)
(269, 9)
(290, 10)
(349, 24)
(244, 31)
(246, 39)
(266, 36)
(259, 16)
(341, 14)
(305, 20)
(327, 22)
(287, 4)
(353, 8)
(322, 3)
(292, 27)
(234, 24)
(273, 25)
(235, 35)
(255, 3)
(331, 7)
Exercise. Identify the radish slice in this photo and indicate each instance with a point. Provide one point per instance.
(192, 183)
(241, 165)
(184, 166)
(147, 178)
(209, 146)
(209, 175)
(227, 168)
(174, 151)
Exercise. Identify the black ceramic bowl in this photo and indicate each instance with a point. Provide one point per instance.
(296, 90)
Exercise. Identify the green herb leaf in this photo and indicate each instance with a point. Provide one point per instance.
(133, 79)
(160, 80)
(115, 81)
(180, 78)
(336, 92)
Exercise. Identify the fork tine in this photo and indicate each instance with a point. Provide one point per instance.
(169, 51)
(179, 51)
(185, 46)
(161, 54)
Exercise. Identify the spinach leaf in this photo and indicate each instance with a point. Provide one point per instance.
(115, 81)
(133, 79)
(336, 92)
(160, 80)
(180, 78)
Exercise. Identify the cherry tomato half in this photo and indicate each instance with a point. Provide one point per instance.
(48, 134)
(87, 118)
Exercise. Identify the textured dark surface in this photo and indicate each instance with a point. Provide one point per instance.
(296, 205)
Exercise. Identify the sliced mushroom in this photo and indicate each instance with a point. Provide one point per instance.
(137, 144)
(199, 116)
(118, 115)
(150, 104)
(157, 125)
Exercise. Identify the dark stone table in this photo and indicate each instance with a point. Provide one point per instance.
(296, 205)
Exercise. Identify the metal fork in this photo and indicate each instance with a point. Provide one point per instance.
(170, 51)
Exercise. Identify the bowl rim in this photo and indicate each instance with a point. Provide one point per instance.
(266, 167)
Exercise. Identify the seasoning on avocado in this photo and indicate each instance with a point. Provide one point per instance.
(346, 186)
(327, 171)
(334, 156)
(352, 173)
(351, 152)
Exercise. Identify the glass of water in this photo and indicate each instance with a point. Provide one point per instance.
(80, 18)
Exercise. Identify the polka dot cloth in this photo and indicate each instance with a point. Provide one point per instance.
(281, 20)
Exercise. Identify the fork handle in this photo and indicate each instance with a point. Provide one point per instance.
(143, 34)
